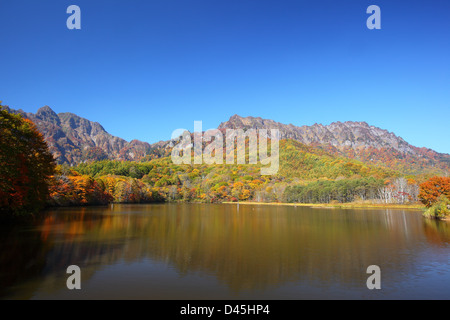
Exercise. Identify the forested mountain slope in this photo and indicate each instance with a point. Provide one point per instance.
(73, 140)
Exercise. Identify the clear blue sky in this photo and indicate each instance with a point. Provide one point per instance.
(145, 68)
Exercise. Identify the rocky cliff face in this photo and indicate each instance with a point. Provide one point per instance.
(73, 139)
(352, 139)
(347, 134)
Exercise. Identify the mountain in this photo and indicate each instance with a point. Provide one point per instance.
(357, 140)
(348, 134)
(73, 139)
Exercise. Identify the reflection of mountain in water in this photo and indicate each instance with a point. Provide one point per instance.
(253, 248)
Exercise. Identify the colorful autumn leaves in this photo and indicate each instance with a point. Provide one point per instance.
(26, 165)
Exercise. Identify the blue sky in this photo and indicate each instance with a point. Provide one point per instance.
(145, 68)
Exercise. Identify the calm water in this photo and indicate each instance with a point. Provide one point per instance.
(194, 251)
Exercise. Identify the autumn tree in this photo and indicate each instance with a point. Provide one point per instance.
(431, 190)
(26, 165)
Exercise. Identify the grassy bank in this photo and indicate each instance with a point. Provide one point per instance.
(439, 210)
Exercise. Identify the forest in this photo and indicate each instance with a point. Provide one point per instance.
(160, 180)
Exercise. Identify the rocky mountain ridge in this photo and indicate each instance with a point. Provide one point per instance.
(73, 139)
(350, 139)
(338, 134)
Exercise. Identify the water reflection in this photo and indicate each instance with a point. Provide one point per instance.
(253, 249)
(437, 232)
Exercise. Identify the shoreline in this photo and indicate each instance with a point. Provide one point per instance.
(337, 205)
(349, 205)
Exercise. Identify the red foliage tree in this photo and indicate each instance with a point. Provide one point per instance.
(432, 189)
(26, 165)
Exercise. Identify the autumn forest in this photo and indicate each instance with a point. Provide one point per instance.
(31, 179)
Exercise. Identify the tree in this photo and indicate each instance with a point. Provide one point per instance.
(431, 190)
(26, 165)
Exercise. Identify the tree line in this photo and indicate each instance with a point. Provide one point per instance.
(350, 190)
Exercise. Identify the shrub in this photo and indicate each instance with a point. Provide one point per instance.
(439, 210)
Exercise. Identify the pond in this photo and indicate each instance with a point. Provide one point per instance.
(225, 251)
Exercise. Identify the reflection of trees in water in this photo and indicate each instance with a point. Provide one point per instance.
(254, 248)
(22, 255)
(437, 232)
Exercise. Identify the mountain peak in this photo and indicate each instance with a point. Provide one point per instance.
(235, 117)
(45, 110)
(357, 123)
(46, 113)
